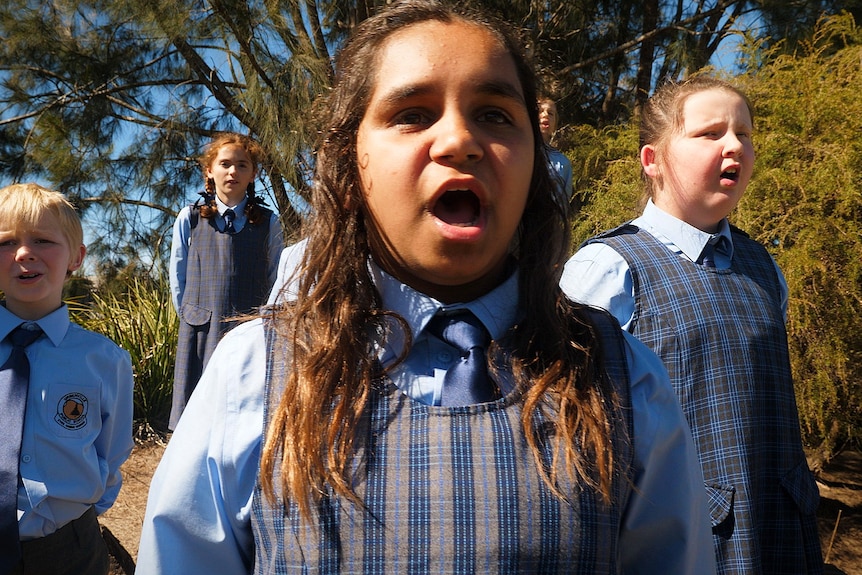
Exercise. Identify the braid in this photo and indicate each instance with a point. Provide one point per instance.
(254, 205)
(208, 208)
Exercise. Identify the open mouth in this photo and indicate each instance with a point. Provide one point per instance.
(458, 208)
(731, 174)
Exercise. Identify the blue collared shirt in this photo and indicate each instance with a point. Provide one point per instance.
(78, 425)
(182, 237)
(599, 276)
(198, 513)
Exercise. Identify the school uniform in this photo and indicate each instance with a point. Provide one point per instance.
(77, 432)
(216, 275)
(720, 332)
(561, 171)
(448, 488)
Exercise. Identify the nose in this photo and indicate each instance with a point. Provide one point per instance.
(733, 145)
(24, 253)
(455, 140)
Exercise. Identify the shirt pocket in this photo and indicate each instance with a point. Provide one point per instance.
(73, 410)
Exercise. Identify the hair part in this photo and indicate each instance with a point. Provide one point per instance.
(23, 205)
(333, 327)
(663, 116)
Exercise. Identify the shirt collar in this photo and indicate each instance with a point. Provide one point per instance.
(238, 209)
(497, 309)
(684, 236)
(55, 324)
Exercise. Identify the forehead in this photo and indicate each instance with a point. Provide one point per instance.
(548, 105)
(715, 104)
(43, 221)
(232, 152)
(440, 53)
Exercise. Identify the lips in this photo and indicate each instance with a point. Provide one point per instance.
(460, 208)
(730, 176)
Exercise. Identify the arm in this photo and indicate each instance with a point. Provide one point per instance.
(115, 442)
(597, 275)
(179, 254)
(288, 263)
(666, 528)
(199, 506)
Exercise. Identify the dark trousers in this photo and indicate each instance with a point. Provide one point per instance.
(77, 548)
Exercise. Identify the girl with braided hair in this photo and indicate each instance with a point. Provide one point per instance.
(224, 257)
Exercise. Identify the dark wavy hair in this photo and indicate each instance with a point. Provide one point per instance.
(332, 325)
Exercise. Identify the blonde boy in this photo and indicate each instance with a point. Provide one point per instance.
(77, 421)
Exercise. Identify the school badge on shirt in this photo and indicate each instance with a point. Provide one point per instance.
(72, 411)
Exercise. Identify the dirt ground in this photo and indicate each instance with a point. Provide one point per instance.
(840, 514)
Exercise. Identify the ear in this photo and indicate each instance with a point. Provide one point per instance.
(648, 161)
(77, 258)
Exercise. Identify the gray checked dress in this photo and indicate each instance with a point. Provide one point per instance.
(721, 334)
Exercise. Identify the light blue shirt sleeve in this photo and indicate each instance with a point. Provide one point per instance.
(597, 275)
(666, 528)
(283, 288)
(199, 505)
(179, 256)
(78, 428)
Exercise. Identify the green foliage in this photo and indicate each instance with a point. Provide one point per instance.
(142, 321)
(606, 174)
(804, 203)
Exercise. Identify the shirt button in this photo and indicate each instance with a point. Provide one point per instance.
(26, 459)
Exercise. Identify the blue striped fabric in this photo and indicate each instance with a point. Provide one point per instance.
(450, 490)
(721, 335)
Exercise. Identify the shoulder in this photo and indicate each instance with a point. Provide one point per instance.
(621, 231)
(95, 343)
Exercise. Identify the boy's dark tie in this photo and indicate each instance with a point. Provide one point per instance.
(14, 379)
(229, 216)
(467, 381)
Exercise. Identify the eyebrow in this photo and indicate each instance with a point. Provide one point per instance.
(502, 89)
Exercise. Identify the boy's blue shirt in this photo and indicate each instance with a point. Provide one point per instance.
(70, 459)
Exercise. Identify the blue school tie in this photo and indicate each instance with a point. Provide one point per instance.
(229, 216)
(707, 257)
(14, 379)
(467, 381)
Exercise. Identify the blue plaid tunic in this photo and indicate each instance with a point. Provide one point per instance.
(451, 490)
(721, 335)
(227, 275)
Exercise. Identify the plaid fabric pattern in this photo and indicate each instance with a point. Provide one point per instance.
(721, 335)
(226, 275)
(449, 490)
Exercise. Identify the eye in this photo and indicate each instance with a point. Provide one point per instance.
(495, 117)
(412, 118)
